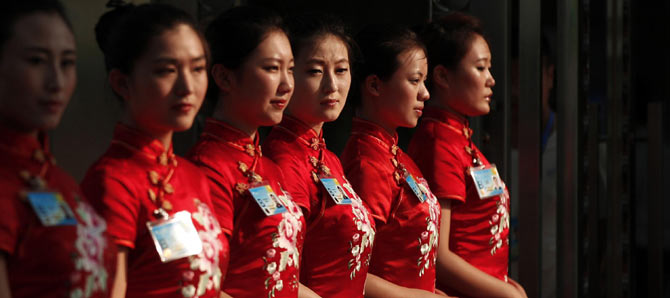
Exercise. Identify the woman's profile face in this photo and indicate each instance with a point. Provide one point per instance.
(37, 72)
(403, 95)
(322, 80)
(262, 86)
(470, 83)
(168, 82)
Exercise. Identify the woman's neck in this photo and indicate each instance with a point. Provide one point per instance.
(221, 115)
(373, 116)
(314, 126)
(163, 136)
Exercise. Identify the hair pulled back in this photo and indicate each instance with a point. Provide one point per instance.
(13, 10)
(125, 32)
(379, 49)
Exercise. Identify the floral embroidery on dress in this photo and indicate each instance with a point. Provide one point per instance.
(284, 251)
(90, 245)
(365, 236)
(207, 262)
(428, 240)
(499, 222)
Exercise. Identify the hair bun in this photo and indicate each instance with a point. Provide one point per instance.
(109, 21)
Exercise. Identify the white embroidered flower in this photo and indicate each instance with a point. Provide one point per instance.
(90, 245)
(207, 261)
(272, 267)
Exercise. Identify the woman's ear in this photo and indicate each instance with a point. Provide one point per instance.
(224, 78)
(119, 82)
(372, 85)
(440, 77)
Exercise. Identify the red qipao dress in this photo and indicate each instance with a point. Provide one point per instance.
(442, 148)
(407, 215)
(265, 247)
(340, 231)
(65, 256)
(135, 181)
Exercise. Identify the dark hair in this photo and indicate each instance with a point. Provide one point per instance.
(305, 29)
(379, 47)
(124, 33)
(13, 10)
(235, 33)
(448, 39)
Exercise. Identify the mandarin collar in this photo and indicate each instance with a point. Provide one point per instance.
(303, 132)
(359, 125)
(224, 132)
(24, 145)
(145, 144)
(446, 117)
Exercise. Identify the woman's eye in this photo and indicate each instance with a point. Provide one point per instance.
(342, 70)
(164, 71)
(199, 68)
(36, 60)
(481, 68)
(271, 68)
(314, 71)
(68, 62)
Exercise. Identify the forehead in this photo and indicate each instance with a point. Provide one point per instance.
(274, 45)
(43, 30)
(325, 44)
(180, 40)
(478, 48)
(412, 58)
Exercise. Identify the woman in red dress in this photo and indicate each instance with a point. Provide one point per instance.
(392, 94)
(473, 254)
(157, 205)
(340, 232)
(52, 243)
(252, 71)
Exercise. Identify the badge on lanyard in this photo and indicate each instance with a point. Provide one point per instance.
(487, 181)
(51, 209)
(175, 237)
(335, 191)
(411, 182)
(267, 199)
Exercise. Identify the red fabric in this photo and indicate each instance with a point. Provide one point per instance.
(119, 184)
(264, 250)
(479, 228)
(338, 242)
(57, 261)
(407, 229)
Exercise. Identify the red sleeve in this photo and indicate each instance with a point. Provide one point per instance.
(444, 171)
(114, 200)
(9, 223)
(374, 186)
(221, 196)
(294, 181)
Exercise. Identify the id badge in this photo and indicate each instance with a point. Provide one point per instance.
(487, 181)
(411, 182)
(335, 191)
(267, 199)
(175, 237)
(51, 209)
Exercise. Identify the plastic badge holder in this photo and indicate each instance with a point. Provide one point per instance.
(487, 181)
(415, 187)
(335, 191)
(175, 237)
(267, 199)
(51, 209)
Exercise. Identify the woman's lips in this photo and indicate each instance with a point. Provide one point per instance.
(330, 102)
(183, 107)
(279, 103)
(52, 106)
